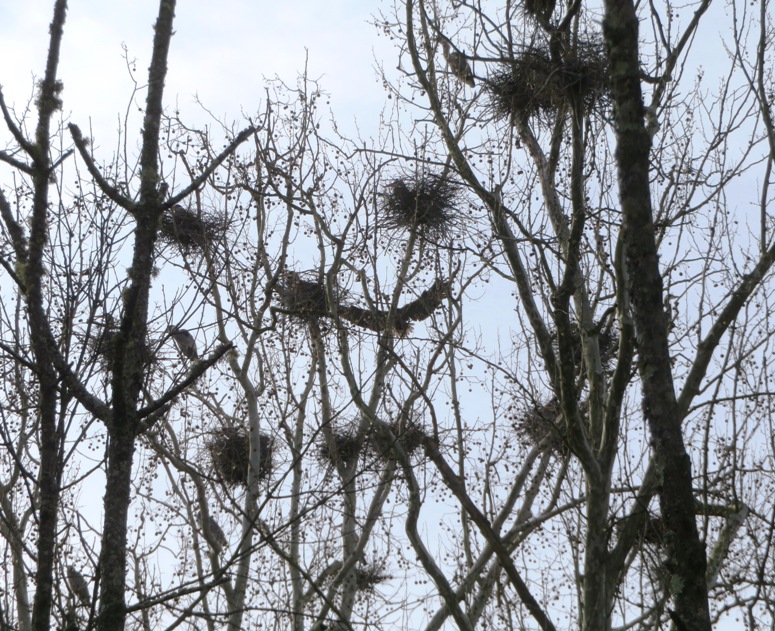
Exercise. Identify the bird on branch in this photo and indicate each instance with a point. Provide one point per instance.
(184, 341)
(458, 64)
(78, 586)
(217, 538)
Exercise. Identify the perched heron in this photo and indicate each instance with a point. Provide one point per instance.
(78, 586)
(217, 538)
(458, 64)
(184, 341)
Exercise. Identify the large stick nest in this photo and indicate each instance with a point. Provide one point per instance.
(103, 346)
(540, 425)
(410, 435)
(426, 203)
(230, 455)
(367, 577)
(189, 230)
(535, 83)
(304, 295)
(341, 446)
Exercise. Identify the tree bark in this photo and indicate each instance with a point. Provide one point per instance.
(685, 552)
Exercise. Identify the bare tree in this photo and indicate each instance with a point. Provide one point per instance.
(438, 378)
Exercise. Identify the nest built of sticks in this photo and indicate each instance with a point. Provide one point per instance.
(533, 82)
(230, 455)
(103, 345)
(410, 436)
(302, 296)
(190, 230)
(367, 577)
(427, 203)
(539, 426)
(344, 447)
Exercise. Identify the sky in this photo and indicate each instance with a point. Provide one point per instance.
(221, 53)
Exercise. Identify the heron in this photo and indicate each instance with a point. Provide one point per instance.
(458, 64)
(78, 585)
(184, 341)
(217, 538)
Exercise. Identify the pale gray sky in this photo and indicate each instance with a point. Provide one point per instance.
(222, 51)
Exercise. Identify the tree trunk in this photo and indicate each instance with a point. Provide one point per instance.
(685, 552)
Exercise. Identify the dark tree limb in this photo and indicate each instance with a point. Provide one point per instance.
(685, 552)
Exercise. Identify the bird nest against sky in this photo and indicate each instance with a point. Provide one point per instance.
(539, 425)
(344, 446)
(229, 450)
(534, 83)
(409, 435)
(427, 203)
(304, 295)
(190, 230)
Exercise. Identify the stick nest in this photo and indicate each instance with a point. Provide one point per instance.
(534, 83)
(190, 230)
(230, 454)
(303, 295)
(103, 346)
(344, 446)
(410, 436)
(427, 203)
(367, 577)
(539, 425)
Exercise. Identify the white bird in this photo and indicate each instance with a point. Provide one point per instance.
(184, 341)
(78, 585)
(458, 64)
(217, 538)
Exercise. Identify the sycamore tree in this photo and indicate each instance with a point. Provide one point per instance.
(504, 365)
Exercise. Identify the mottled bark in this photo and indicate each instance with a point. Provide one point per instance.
(49, 474)
(128, 366)
(685, 552)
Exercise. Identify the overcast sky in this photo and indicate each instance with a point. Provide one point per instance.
(222, 51)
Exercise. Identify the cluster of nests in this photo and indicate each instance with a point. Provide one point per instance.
(542, 424)
(535, 81)
(229, 449)
(304, 296)
(190, 230)
(348, 445)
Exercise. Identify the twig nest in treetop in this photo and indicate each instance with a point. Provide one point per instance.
(539, 425)
(368, 576)
(409, 435)
(303, 294)
(229, 450)
(540, 8)
(427, 203)
(189, 230)
(344, 447)
(532, 82)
